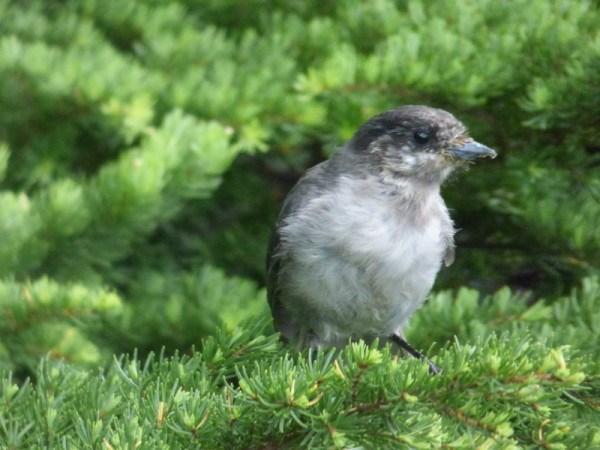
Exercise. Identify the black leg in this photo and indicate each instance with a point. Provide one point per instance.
(433, 369)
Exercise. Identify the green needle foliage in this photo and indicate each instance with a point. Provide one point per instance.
(145, 148)
(244, 390)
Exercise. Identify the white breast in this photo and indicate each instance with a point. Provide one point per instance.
(362, 261)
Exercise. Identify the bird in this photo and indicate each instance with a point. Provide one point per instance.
(361, 236)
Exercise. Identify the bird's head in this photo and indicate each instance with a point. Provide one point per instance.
(417, 142)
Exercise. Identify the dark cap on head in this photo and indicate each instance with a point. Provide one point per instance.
(410, 121)
(415, 130)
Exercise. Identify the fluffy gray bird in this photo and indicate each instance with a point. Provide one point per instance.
(361, 236)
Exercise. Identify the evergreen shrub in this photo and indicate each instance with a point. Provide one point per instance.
(145, 148)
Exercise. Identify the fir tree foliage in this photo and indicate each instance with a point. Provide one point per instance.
(137, 194)
(499, 389)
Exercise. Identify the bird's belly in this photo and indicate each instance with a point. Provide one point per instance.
(372, 281)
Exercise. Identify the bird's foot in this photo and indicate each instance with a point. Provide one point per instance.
(433, 369)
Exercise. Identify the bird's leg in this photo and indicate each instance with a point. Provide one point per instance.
(433, 369)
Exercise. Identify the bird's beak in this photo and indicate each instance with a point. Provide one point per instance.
(473, 150)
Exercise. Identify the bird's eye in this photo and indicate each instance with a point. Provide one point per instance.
(422, 136)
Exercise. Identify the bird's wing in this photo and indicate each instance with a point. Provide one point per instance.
(309, 186)
(450, 252)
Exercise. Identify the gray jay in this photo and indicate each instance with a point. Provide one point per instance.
(361, 236)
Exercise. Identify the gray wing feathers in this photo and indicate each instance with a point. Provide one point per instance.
(307, 187)
(450, 252)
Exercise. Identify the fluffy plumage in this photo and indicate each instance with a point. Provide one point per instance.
(361, 237)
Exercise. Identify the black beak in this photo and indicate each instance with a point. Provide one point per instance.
(473, 150)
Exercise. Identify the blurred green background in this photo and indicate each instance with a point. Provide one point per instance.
(145, 149)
